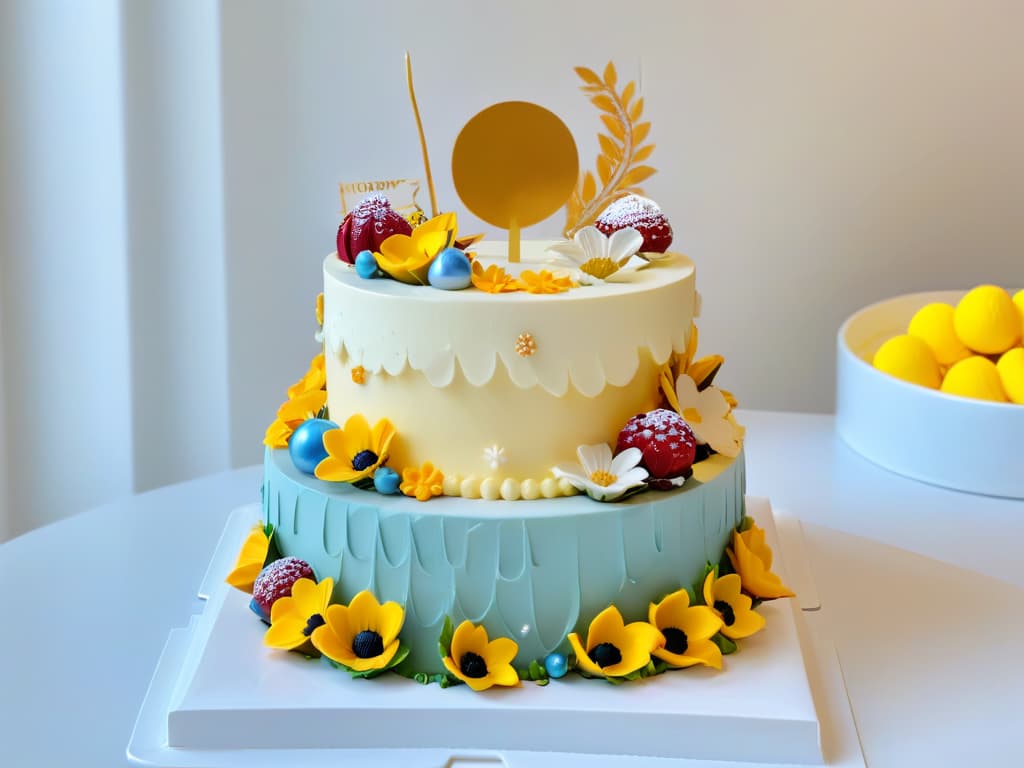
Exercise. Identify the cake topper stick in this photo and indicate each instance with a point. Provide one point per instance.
(423, 139)
(514, 164)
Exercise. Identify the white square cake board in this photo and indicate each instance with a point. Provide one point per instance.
(224, 700)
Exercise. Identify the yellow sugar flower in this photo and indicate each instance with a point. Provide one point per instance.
(544, 282)
(494, 279)
(724, 597)
(408, 257)
(423, 483)
(362, 635)
(294, 618)
(250, 560)
(687, 630)
(751, 558)
(355, 451)
(613, 648)
(320, 308)
(291, 414)
(359, 375)
(481, 663)
(313, 379)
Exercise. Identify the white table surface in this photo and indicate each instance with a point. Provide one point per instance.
(924, 589)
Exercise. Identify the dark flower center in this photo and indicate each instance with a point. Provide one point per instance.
(363, 460)
(368, 644)
(728, 617)
(675, 640)
(605, 654)
(473, 665)
(314, 621)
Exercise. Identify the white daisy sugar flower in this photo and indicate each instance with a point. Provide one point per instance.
(601, 476)
(707, 413)
(599, 257)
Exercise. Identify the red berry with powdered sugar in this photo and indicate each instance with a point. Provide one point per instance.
(641, 214)
(367, 226)
(667, 444)
(275, 581)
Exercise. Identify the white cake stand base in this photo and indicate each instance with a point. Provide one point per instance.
(221, 699)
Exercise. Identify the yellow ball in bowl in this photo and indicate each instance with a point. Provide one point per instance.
(909, 359)
(987, 320)
(1011, 374)
(975, 377)
(933, 324)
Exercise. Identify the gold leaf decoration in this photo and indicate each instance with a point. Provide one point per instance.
(622, 149)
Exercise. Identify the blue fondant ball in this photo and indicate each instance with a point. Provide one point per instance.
(366, 265)
(255, 608)
(386, 480)
(306, 446)
(556, 665)
(450, 271)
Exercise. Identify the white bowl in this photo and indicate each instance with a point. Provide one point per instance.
(956, 442)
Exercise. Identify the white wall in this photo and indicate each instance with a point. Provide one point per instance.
(814, 157)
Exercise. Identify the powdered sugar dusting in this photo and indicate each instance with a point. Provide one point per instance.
(631, 210)
(373, 206)
(276, 580)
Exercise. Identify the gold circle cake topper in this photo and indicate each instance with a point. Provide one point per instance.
(514, 164)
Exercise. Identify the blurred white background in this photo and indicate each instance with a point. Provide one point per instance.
(170, 170)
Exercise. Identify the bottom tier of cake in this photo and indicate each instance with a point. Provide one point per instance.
(532, 571)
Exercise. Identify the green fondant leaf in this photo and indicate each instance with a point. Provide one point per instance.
(422, 678)
(659, 666)
(542, 682)
(323, 413)
(524, 674)
(366, 484)
(444, 642)
(536, 671)
(746, 523)
(725, 645)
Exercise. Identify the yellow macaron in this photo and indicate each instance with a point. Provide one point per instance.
(987, 321)
(1011, 374)
(933, 324)
(909, 359)
(975, 377)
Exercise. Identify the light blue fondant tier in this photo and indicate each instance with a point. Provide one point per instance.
(530, 570)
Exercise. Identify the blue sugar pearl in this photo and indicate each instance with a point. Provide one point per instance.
(556, 665)
(366, 265)
(450, 271)
(306, 446)
(386, 480)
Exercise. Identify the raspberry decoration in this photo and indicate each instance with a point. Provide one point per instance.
(641, 214)
(667, 444)
(367, 226)
(275, 581)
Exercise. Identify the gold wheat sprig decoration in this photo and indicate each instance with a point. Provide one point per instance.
(619, 166)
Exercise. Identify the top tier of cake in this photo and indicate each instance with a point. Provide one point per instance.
(496, 389)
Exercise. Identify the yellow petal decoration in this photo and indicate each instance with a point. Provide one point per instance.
(687, 631)
(320, 309)
(544, 282)
(622, 148)
(291, 414)
(494, 279)
(613, 648)
(315, 378)
(423, 483)
(355, 451)
(407, 258)
(362, 635)
(294, 618)
(250, 560)
(481, 663)
(724, 597)
(751, 558)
